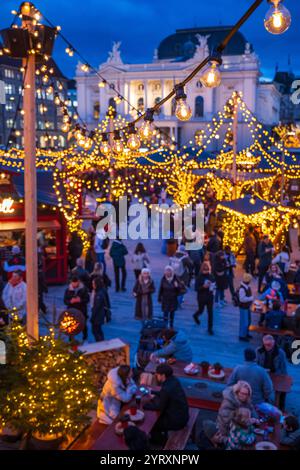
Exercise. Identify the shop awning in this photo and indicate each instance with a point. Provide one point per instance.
(45, 191)
(42, 224)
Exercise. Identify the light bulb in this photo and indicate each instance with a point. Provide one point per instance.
(65, 118)
(278, 18)
(78, 134)
(105, 148)
(65, 127)
(118, 146)
(146, 130)
(212, 76)
(133, 142)
(183, 111)
(88, 143)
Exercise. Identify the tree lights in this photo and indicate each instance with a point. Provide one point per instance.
(278, 18)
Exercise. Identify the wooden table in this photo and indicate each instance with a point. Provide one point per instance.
(291, 308)
(282, 383)
(294, 291)
(109, 440)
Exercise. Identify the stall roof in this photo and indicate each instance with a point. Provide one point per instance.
(246, 206)
(45, 191)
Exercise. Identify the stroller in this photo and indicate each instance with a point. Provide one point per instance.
(150, 341)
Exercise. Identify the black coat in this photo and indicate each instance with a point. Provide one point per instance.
(199, 285)
(139, 295)
(83, 293)
(214, 244)
(220, 273)
(100, 306)
(265, 257)
(172, 404)
(168, 294)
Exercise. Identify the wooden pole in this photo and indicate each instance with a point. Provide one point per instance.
(235, 142)
(30, 187)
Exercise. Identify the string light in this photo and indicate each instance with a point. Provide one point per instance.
(278, 18)
(182, 111)
(211, 78)
(147, 128)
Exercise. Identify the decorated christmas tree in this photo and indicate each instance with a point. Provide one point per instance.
(46, 388)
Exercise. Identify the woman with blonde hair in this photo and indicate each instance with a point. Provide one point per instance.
(234, 397)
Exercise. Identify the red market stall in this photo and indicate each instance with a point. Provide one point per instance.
(51, 234)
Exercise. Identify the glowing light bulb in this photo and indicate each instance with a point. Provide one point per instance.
(88, 143)
(105, 147)
(278, 18)
(183, 111)
(65, 127)
(117, 146)
(212, 76)
(133, 142)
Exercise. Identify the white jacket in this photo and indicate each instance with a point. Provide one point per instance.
(113, 394)
(15, 296)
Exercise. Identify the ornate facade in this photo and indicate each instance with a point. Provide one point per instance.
(177, 55)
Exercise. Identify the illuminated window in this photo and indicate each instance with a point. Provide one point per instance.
(141, 87)
(8, 73)
(96, 110)
(140, 104)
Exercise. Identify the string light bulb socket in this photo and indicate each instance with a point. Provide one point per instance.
(182, 111)
(147, 128)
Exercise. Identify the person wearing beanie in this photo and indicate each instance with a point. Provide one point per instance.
(210, 438)
(290, 435)
(245, 300)
(255, 375)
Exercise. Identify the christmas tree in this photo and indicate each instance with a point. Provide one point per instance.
(46, 388)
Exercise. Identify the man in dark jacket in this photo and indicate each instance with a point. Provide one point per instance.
(250, 250)
(204, 286)
(274, 318)
(118, 251)
(77, 296)
(265, 252)
(171, 402)
(271, 357)
(215, 243)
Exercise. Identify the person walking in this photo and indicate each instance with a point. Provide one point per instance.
(77, 296)
(81, 272)
(142, 291)
(169, 290)
(101, 243)
(219, 270)
(99, 272)
(139, 260)
(245, 298)
(265, 252)
(250, 247)
(230, 266)
(204, 286)
(100, 306)
(118, 251)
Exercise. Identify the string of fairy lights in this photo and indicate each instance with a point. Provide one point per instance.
(115, 145)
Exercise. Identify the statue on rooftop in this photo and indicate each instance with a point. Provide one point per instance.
(114, 56)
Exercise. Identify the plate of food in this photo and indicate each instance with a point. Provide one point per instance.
(265, 445)
(216, 373)
(191, 369)
(135, 415)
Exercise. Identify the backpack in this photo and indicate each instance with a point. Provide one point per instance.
(236, 297)
(177, 265)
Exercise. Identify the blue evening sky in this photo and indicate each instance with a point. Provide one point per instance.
(92, 26)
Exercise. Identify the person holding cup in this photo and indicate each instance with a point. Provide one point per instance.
(119, 388)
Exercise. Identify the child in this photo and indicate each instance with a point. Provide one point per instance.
(241, 432)
(290, 435)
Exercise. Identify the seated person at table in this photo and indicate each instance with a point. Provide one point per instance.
(255, 375)
(119, 388)
(274, 318)
(239, 395)
(176, 345)
(210, 438)
(271, 357)
(241, 434)
(293, 323)
(290, 435)
(171, 402)
(270, 295)
(136, 439)
(274, 274)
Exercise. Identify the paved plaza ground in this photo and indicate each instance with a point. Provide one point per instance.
(224, 346)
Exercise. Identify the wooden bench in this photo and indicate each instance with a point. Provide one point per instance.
(177, 440)
(88, 436)
(268, 331)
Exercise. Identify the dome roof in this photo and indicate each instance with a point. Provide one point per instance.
(182, 44)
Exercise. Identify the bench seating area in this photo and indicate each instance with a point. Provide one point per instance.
(177, 440)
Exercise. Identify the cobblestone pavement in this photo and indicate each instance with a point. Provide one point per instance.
(224, 346)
